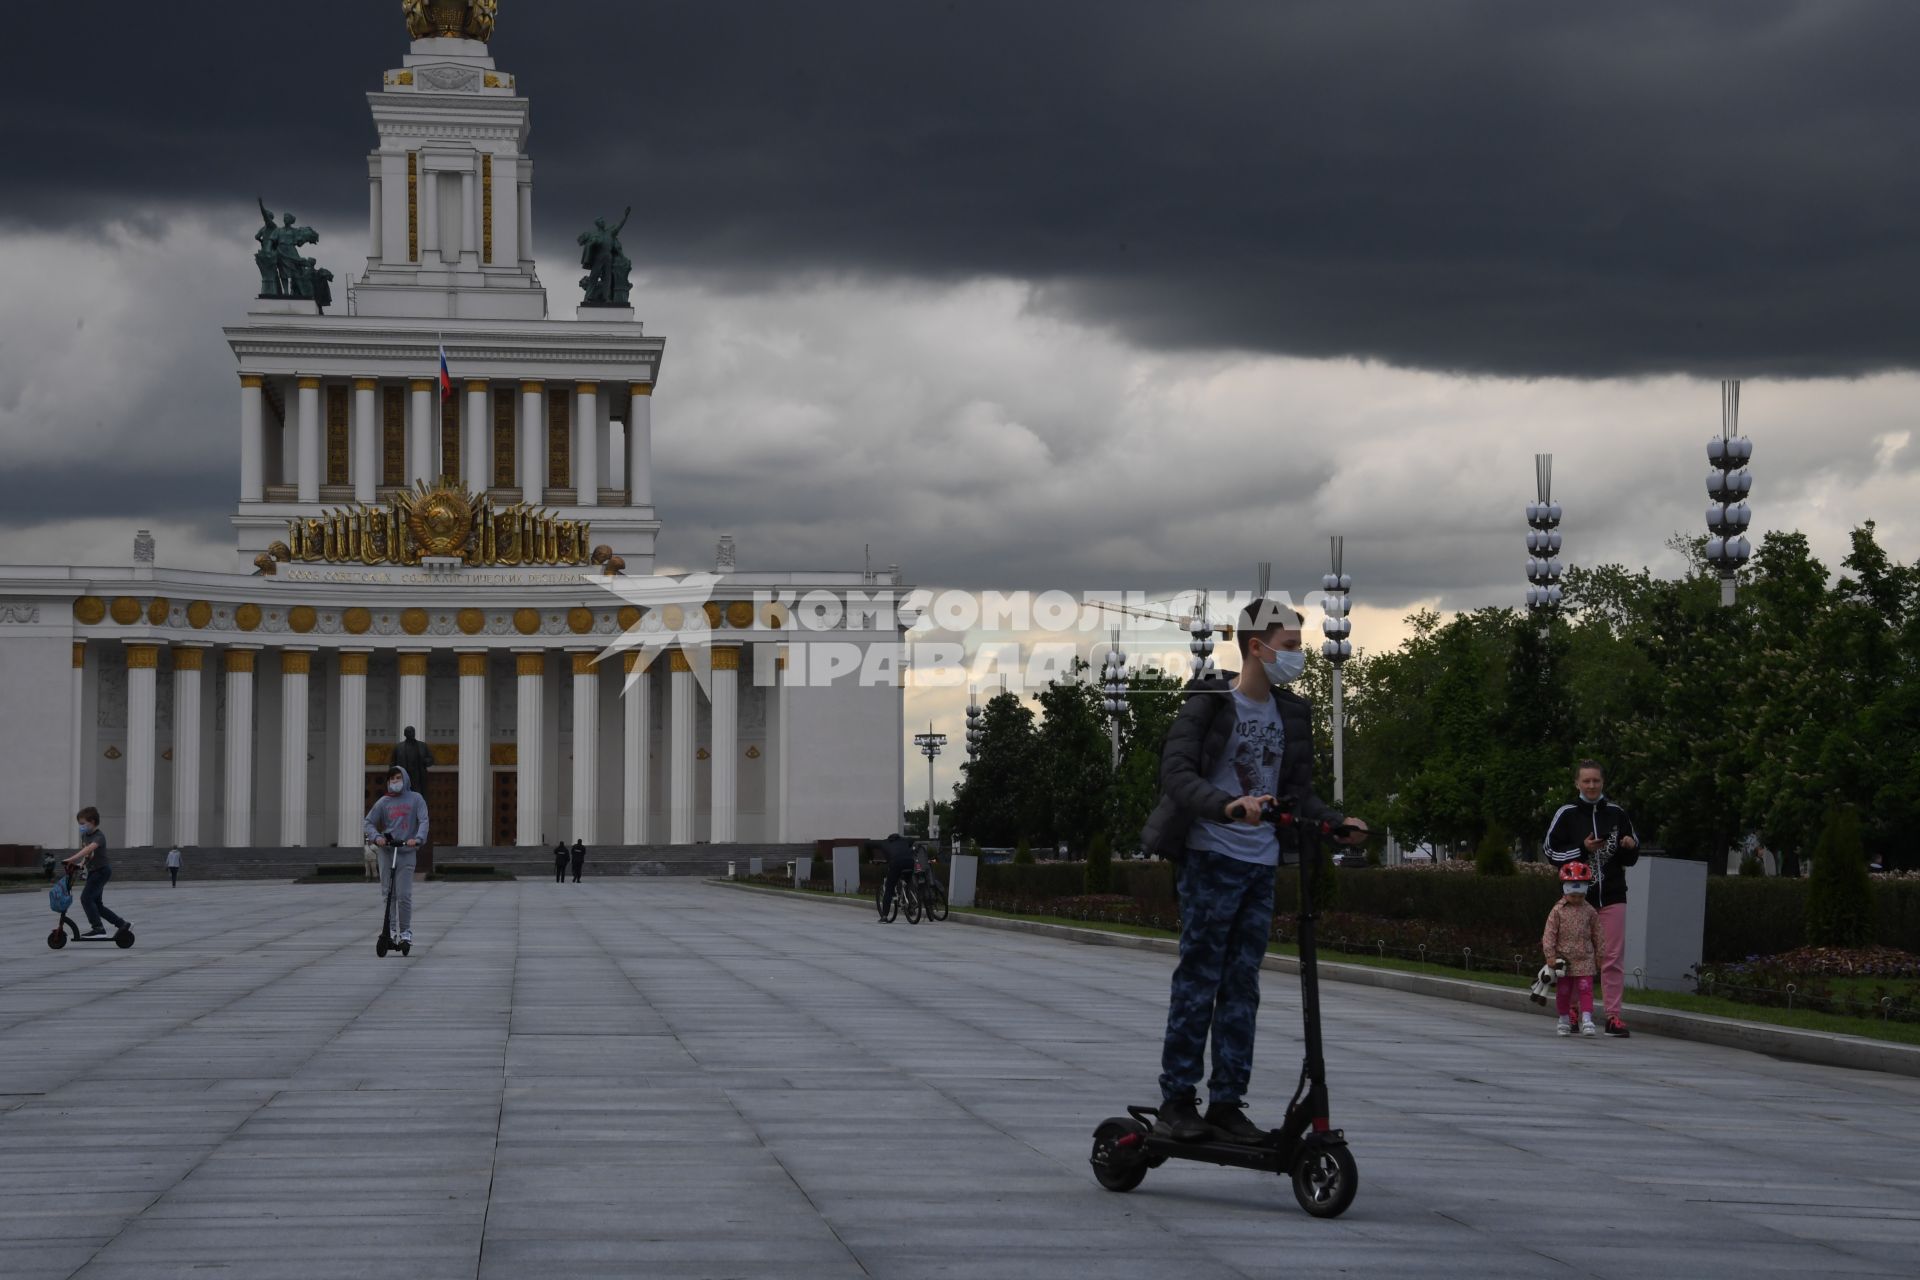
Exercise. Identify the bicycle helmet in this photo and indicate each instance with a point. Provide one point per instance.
(1575, 876)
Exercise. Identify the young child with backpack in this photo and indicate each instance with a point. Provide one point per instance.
(1572, 944)
(93, 857)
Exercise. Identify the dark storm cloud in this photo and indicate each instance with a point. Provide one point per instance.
(1487, 187)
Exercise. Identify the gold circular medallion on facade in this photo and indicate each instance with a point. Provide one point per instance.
(526, 621)
(440, 521)
(356, 621)
(672, 616)
(712, 609)
(740, 614)
(199, 614)
(89, 610)
(628, 617)
(471, 621)
(126, 610)
(302, 618)
(246, 616)
(158, 610)
(413, 621)
(579, 621)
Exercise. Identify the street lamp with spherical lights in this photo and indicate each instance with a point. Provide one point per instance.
(1728, 485)
(1336, 649)
(1543, 541)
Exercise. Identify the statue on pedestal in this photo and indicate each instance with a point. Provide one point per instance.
(284, 273)
(450, 19)
(416, 757)
(607, 282)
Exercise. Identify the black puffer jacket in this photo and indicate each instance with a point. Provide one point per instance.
(1566, 842)
(1195, 742)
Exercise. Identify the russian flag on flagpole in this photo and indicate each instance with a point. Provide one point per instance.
(446, 379)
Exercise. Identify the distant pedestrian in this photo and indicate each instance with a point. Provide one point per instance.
(1596, 831)
(579, 859)
(1572, 944)
(560, 862)
(173, 867)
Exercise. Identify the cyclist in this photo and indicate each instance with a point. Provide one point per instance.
(900, 855)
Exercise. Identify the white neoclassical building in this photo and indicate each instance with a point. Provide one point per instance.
(412, 558)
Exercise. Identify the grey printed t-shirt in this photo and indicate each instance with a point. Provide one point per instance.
(1250, 766)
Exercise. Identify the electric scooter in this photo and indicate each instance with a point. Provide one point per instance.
(386, 941)
(1305, 1148)
(61, 898)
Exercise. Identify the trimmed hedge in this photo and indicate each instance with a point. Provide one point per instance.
(1746, 916)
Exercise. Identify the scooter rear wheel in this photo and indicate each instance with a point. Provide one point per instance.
(380, 946)
(123, 939)
(1114, 1167)
(57, 939)
(1325, 1179)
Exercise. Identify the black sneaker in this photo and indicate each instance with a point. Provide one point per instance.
(1229, 1120)
(1617, 1029)
(1180, 1117)
(94, 933)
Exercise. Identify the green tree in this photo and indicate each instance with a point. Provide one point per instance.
(1839, 895)
(994, 801)
(1496, 851)
(1023, 853)
(1072, 773)
(1153, 700)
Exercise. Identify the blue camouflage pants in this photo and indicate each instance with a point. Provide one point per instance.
(1226, 917)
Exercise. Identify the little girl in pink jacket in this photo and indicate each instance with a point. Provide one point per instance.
(1573, 935)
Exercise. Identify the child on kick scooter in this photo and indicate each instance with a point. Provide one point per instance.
(399, 818)
(93, 856)
(1235, 746)
(1572, 944)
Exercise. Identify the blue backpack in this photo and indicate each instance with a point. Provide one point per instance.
(60, 897)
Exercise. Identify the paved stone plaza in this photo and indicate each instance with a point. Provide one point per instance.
(665, 1079)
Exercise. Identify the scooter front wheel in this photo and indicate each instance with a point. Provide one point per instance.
(1325, 1179)
(380, 946)
(57, 939)
(1115, 1164)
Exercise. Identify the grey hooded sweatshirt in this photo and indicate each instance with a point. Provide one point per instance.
(399, 818)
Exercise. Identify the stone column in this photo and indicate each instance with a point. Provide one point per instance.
(478, 450)
(187, 664)
(239, 780)
(295, 667)
(413, 693)
(680, 761)
(533, 443)
(422, 456)
(76, 760)
(366, 440)
(530, 670)
(307, 457)
(640, 446)
(781, 754)
(635, 700)
(429, 215)
(473, 749)
(526, 214)
(352, 799)
(373, 211)
(253, 439)
(143, 672)
(586, 452)
(586, 747)
(469, 218)
(726, 744)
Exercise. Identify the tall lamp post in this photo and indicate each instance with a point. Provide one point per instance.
(1543, 542)
(976, 725)
(930, 744)
(1337, 648)
(1201, 646)
(1113, 678)
(1728, 485)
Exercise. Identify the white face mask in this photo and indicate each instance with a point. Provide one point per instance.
(1286, 665)
(396, 786)
(1572, 890)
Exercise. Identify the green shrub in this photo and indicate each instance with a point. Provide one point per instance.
(1750, 865)
(1023, 853)
(1839, 894)
(1099, 864)
(1495, 857)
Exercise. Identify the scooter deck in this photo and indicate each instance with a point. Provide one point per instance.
(1274, 1157)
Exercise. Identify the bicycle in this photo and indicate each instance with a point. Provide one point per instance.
(932, 894)
(904, 899)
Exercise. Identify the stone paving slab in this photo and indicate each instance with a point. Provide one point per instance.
(670, 1079)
